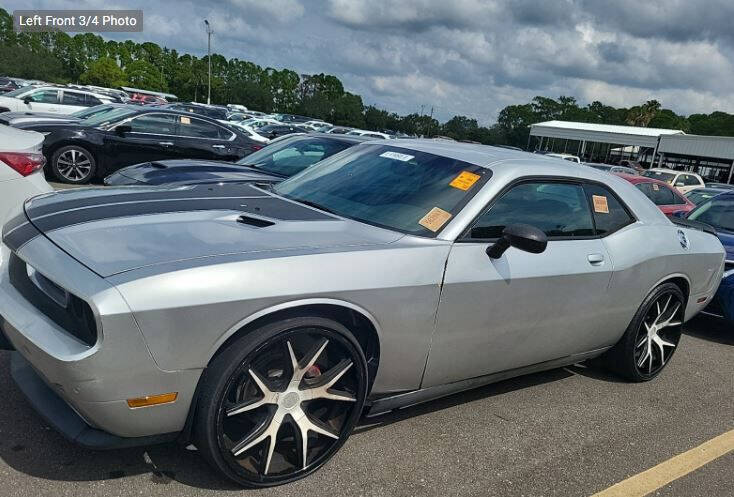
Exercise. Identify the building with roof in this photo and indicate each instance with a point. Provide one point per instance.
(710, 156)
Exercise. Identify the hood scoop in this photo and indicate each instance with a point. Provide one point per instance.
(254, 221)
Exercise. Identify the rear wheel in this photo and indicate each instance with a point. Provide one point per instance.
(280, 402)
(652, 337)
(73, 164)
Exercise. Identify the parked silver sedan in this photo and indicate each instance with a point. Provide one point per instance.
(259, 325)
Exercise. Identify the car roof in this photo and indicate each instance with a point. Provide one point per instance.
(672, 171)
(341, 137)
(479, 155)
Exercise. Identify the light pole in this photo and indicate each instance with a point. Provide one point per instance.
(209, 32)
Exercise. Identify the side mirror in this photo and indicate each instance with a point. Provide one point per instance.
(680, 214)
(680, 183)
(123, 128)
(521, 236)
(27, 100)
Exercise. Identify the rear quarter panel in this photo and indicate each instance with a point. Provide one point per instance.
(646, 255)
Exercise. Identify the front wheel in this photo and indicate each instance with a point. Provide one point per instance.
(73, 164)
(279, 402)
(652, 337)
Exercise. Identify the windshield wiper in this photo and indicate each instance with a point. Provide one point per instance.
(314, 205)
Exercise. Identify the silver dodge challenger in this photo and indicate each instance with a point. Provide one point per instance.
(259, 323)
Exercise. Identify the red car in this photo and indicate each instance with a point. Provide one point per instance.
(667, 198)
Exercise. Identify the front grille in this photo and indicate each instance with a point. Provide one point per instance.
(69, 312)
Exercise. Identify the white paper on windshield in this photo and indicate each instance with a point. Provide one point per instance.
(397, 156)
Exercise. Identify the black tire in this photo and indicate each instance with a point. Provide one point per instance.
(68, 169)
(626, 358)
(219, 432)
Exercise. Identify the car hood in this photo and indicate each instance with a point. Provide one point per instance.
(173, 172)
(113, 230)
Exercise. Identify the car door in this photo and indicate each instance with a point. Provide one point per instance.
(43, 100)
(201, 139)
(522, 309)
(151, 136)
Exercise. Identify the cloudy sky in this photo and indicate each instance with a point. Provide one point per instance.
(470, 57)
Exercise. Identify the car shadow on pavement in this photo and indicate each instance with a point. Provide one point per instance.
(710, 328)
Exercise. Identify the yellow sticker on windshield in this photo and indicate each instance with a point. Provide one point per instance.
(185, 120)
(435, 218)
(655, 187)
(464, 180)
(600, 204)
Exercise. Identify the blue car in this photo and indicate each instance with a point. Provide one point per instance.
(718, 212)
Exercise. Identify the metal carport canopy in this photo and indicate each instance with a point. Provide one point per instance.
(715, 147)
(601, 133)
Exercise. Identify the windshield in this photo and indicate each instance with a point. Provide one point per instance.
(401, 189)
(17, 92)
(116, 114)
(717, 212)
(660, 175)
(700, 196)
(293, 154)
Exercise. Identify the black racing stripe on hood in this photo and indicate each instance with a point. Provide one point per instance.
(271, 207)
(55, 204)
(14, 239)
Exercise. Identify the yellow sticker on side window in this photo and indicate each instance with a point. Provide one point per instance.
(464, 180)
(655, 187)
(435, 218)
(600, 204)
(185, 120)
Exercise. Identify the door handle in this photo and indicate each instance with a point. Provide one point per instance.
(595, 259)
(217, 146)
(166, 144)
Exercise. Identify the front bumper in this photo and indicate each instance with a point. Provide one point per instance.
(64, 419)
(94, 381)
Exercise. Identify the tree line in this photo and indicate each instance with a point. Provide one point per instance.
(90, 59)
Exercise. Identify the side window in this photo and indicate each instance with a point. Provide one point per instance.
(74, 98)
(45, 96)
(156, 124)
(559, 209)
(196, 128)
(609, 214)
(91, 101)
(659, 194)
(689, 180)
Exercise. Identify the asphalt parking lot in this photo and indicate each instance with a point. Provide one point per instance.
(567, 432)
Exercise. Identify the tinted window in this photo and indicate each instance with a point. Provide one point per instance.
(689, 180)
(74, 98)
(45, 96)
(559, 209)
(91, 101)
(156, 124)
(196, 128)
(402, 189)
(660, 194)
(609, 214)
(718, 212)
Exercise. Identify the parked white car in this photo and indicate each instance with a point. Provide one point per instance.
(21, 168)
(247, 130)
(683, 181)
(371, 134)
(568, 157)
(53, 99)
(259, 122)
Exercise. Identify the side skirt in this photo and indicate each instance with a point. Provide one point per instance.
(406, 399)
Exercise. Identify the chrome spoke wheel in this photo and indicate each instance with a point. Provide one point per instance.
(658, 334)
(290, 407)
